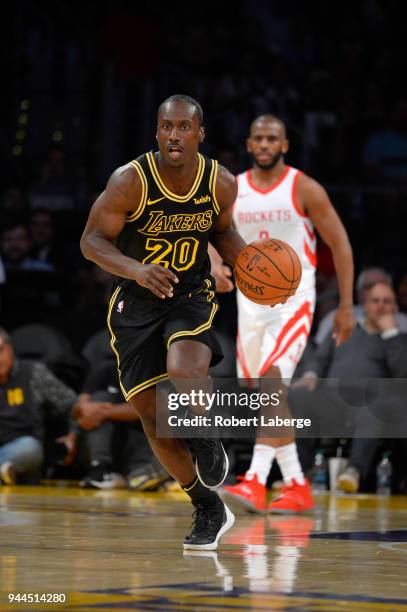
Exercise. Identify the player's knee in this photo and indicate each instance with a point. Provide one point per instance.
(179, 370)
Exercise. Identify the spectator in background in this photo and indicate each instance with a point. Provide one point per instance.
(44, 247)
(385, 152)
(27, 390)
(113, 437)
(366, 279)
(32, 292)
(15, 246)
(402, 293)
(377, 349)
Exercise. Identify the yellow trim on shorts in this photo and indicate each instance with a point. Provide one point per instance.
(113, 337)
(212, 185)
(144, 191)
(145, 385)
(165, 191)
(204, 326)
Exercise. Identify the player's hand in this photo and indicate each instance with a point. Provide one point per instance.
(70, 441)
(282, 302)
(343, 324)
(308, 381)
(222, 275)
(386, 322)
(157, 279)
(90, 415)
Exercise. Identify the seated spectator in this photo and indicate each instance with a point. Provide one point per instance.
(32, 291)
(15, 244)
(44, 247)
(366, 279)
(110, 423)
(28, 391)
(402, 293)
(375, 350)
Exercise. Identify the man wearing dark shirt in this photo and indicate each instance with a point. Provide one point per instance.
(113, 435)
(376, 350)
(27, 390)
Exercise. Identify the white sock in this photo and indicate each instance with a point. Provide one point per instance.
(263, 457)
(287, 459)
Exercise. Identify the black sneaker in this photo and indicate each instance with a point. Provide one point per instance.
(210, 523)
(101, 476)
(212, 463)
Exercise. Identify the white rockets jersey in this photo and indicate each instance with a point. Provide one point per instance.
(275, 213)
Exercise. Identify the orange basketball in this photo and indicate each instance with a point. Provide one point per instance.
(268, 271)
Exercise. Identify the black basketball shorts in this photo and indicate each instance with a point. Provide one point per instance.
(141, 331)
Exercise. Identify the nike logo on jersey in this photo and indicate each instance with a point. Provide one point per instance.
(151, 202)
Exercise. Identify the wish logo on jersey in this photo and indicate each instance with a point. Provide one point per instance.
(202, 200)
(159, 223)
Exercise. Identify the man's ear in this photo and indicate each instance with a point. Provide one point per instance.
(286, 146)
(201, 134)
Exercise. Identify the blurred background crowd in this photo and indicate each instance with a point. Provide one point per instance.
(80, 92)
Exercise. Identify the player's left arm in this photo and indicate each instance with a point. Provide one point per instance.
(224, 237)
(317, 205)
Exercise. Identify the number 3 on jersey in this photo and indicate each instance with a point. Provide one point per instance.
(181, 254)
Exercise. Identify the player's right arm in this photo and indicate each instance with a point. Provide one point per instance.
(105, 222)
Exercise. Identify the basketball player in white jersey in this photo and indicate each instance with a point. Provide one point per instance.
(278, 201)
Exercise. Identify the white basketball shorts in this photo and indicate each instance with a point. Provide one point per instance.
(273, 336)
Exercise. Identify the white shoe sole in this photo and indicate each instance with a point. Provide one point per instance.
(230, 519)
(223, 477)
(237, 501)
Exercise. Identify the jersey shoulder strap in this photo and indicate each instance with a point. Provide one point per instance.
(140, 165)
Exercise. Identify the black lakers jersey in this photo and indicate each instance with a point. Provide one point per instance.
(169, 229)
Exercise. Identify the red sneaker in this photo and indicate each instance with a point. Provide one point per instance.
(248, 494)
(294, 498)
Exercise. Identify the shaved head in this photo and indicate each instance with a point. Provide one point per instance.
(187, 100)
(268, 120)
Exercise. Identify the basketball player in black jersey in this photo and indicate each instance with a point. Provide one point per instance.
(150, 227)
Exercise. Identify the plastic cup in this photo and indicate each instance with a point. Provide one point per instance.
(336, 466)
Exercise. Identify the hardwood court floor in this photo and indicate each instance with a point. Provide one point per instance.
(122, 551)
